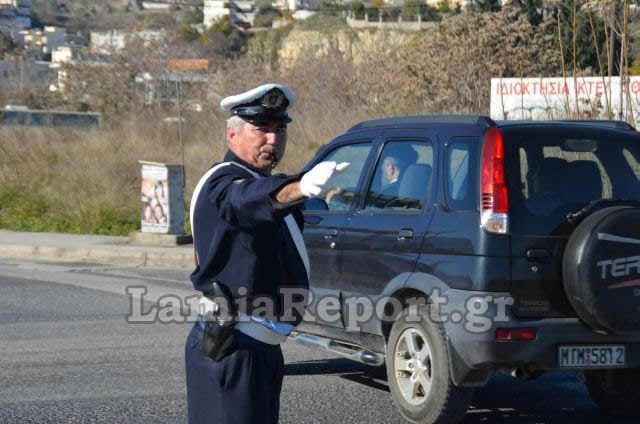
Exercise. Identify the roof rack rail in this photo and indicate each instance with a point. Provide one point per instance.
(479, 120)
(621, 125)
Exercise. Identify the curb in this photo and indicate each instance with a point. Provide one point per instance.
(135, 257)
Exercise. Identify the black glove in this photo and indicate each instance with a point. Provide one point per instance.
(219, 336)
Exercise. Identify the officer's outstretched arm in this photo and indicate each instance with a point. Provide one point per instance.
(249, 203)
(314, 182)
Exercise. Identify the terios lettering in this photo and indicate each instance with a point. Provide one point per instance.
(619, 267)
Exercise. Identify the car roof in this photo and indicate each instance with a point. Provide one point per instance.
(481, 121)
(619, 125)
(425, 120)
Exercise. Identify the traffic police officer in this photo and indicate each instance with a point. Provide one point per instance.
(247, 226)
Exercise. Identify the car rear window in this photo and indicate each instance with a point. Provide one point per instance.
(553, 173)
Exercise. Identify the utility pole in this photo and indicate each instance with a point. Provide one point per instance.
(178, 101)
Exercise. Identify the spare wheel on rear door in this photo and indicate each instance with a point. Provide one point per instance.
(601, 270)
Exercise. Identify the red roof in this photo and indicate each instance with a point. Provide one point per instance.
(188, 64)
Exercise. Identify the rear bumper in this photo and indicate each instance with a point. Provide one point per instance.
(475, 354)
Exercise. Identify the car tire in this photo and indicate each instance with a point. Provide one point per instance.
(418, 371)
(615, 391)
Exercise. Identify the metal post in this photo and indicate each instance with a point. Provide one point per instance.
(180, 130)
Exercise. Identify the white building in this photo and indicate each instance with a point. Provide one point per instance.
(16, 8)
(15, 15)
(66, 54)
(213, 10)
(45, 41)
(238, 11)
(289, 4)
(152, 5)
(22, 7)
(108, 41)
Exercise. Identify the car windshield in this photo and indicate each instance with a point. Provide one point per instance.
(552, 173)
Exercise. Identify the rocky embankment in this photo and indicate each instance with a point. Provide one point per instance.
(353, 44)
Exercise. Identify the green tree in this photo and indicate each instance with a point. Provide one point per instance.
(414, 8)
(373, 13)
(391, 13)
(193, 17)
(411, 9)
(331, 7)
(444, 6)
(221, 25)
(265, 15)
(586, 56)
(358, 9)
(7, 44)
(486, 5)
(186, 31)
(530, 9)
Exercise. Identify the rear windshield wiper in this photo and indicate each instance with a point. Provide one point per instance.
(573, 217)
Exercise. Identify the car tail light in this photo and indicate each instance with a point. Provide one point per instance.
(495, 201)
(516, 334)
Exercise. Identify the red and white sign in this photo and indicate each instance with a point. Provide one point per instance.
(555, 98)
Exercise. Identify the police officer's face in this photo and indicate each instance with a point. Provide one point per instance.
(260, 145)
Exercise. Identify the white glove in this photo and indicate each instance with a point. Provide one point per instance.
(318, 179)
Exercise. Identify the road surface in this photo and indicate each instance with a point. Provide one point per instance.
(68, 355)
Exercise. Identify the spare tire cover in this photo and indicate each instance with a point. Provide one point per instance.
(601, 270)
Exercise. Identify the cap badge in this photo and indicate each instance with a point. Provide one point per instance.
(273, 99)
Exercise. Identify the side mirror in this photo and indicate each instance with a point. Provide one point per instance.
(315, 204)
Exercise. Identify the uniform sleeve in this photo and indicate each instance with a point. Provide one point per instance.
(245, 202)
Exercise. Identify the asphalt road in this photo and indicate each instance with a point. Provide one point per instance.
(68, 355)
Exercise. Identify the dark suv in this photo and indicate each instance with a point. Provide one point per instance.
(457, 246)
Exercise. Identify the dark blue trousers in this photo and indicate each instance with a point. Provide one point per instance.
(242, 388)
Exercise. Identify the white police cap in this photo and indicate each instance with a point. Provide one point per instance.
(267, 103)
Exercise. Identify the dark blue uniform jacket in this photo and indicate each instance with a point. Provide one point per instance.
(241, 237)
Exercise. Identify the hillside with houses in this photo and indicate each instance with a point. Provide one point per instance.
(50, 49)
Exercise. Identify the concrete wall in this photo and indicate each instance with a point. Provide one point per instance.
(105, 42)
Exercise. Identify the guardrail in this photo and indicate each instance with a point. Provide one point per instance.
(397, 24)
(51, 119)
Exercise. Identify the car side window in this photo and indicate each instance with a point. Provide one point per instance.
(341, 195)
(460, 169)
(402, 178)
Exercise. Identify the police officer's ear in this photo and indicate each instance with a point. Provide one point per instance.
(230, 134)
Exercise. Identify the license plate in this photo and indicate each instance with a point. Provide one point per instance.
(596, 356)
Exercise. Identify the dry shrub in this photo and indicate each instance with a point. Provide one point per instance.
(449, 70)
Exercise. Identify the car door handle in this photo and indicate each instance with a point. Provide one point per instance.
(405, 234)
(537, 254)
(331, 233)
